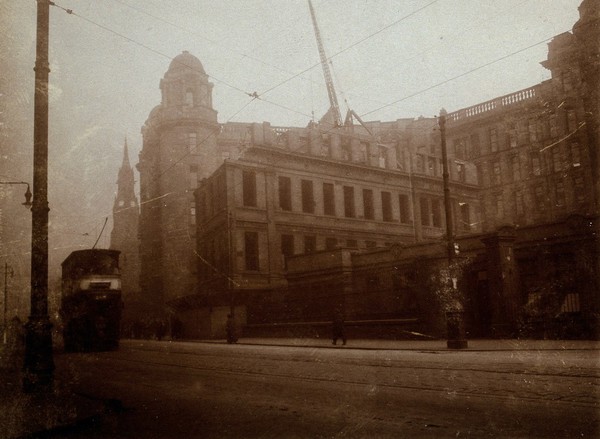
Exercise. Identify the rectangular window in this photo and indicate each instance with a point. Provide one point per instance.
(330, 243)
(328, 199)
(352, 243)
(560, 193)
(308, 200)
(475, 150)
(310, 244)
(431, 166)
(512, 136)
(540, 197)
(579, 189)
(349, 211)
(404, 208)
(496, 172)
(465, 216)
(386, 206)
(493, 139)
(368, 205)
(285, 193)
(420, 163)
(424, 204)
(193, 176)
(460, 148)
(556, 158)
(519, 206)
(499, 207)
(460, 172)
(251, 250)
(436, 213)
(192, 142)
(287, 248)
(193, 213)
(571, 120)
(371, 244)
(553, 126)
(532, 129)
(249, 188)
(516, 168)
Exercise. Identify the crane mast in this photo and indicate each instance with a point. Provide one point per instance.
(335, 108)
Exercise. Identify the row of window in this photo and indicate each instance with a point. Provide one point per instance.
(309, 243)
(540, 198)
(531, 131)
(557, 163)
(308, 201)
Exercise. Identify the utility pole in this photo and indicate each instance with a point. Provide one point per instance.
(454, 319)
(39, 362)
(7, 271)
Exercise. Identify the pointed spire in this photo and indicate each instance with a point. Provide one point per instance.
(125, 156)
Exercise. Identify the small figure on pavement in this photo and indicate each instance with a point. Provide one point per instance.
(230, 329)
(338, 327)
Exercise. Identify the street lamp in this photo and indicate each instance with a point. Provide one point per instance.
(27, 202)
(39, 362)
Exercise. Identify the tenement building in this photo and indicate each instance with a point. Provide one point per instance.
(285, 225)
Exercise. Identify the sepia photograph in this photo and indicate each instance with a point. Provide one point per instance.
(299, 219)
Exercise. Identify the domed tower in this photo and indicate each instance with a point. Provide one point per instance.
(179, 148)
(124, 236)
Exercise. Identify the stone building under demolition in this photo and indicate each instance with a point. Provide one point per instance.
(285, 225)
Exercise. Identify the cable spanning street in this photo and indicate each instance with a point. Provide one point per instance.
(215, 390)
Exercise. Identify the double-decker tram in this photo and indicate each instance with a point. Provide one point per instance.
(91, 300)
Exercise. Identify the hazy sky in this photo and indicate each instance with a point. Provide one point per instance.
(388, 56)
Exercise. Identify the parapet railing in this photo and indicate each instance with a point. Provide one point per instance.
(494, 104)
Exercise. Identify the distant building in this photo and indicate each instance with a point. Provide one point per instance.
(277, 224)
(124, 236)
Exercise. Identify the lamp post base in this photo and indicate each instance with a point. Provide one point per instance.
(456, 330)
(39, 363)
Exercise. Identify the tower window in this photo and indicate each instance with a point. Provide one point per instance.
(189, 97)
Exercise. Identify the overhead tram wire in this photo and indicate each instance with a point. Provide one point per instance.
(351, 46)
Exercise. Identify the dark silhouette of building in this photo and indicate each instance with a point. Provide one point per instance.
(124, 236)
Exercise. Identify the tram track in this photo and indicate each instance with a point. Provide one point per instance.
(457, 380)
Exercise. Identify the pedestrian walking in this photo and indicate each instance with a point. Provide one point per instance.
(338, 329)
(230, 329)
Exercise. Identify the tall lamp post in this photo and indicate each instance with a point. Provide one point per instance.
(39, 362)
(454, 319)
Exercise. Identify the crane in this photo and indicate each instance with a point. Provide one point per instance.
(334, 106)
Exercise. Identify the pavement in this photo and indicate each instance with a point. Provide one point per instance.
(422, 345)
(29, 415)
